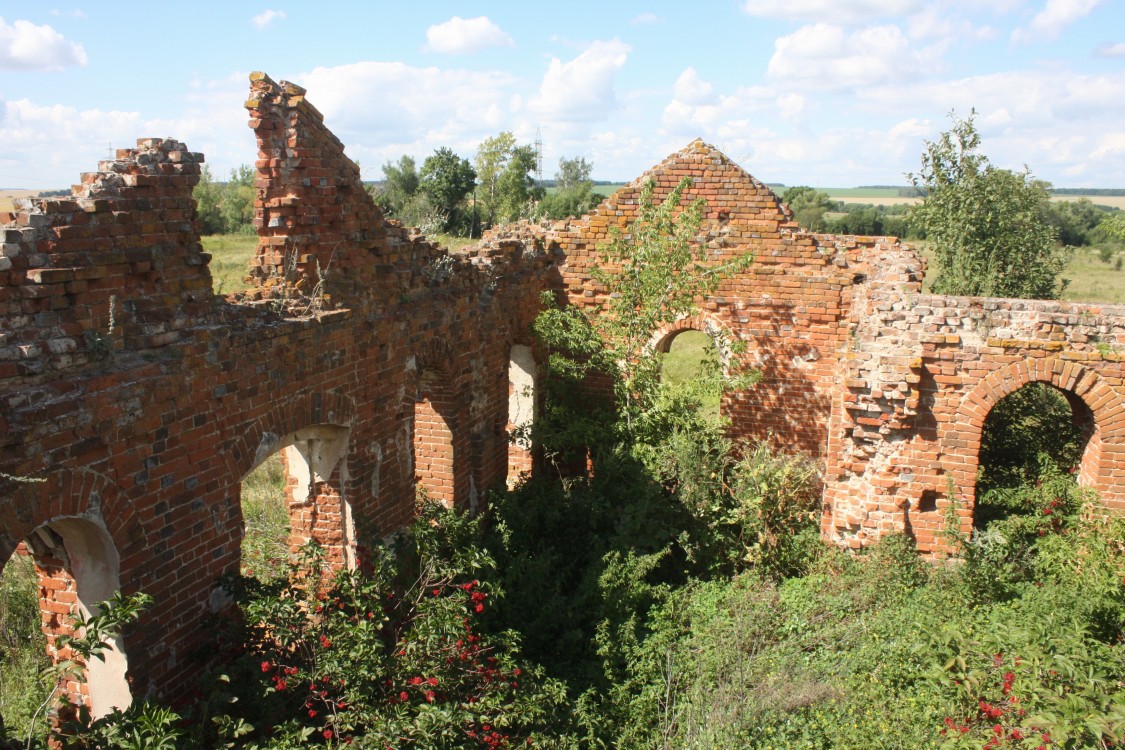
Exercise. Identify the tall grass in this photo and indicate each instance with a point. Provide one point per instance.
(23, 649)
(265, 518)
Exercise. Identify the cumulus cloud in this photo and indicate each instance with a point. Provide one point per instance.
(1110, 144)
(27, 46)
(822, 56)
(845, 12)
(713, 117)
(267, 17)
(462, 36)
(1110, 50)
(690, 89)
(1049, 22)
(583, 88)
(382, 110)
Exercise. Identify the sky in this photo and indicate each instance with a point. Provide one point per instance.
(829, 93)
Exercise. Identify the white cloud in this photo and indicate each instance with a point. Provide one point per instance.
(381, 110)
(582, 90)
(1049, 22)
(26, 46)
(267, 17)
(912, 128)
(690, 89)
(462, 36)
(822, 56)
(1110, 144)
(847, 12)
(1110, 50)
(791, 106)
(76, 13)
(645, 18)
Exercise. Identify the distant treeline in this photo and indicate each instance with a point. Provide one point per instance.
(1087, 191)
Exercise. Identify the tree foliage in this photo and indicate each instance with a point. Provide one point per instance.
(809, 207)
(400, 184)
(507, 187)
(987, 226)
(653, 274)
(446, 179)
(226, 207)
(574, 191)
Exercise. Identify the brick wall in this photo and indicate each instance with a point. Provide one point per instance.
(141, 400)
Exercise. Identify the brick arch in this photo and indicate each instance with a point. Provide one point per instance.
(86, 542)
(1105, 449)
(436, 354)
(70, 493)
(325, 513)
(718, 330)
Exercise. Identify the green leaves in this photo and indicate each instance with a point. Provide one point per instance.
(988, 227)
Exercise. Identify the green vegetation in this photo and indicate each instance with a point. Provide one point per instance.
(987, 227)
(677, 595)
(230, 260)
(265, 520)
(574, 193)
(226, 207)
(23, 651)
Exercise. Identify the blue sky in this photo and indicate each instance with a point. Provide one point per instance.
(832, 93)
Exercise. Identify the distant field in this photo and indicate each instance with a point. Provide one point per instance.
(8, 198)
(609, 189)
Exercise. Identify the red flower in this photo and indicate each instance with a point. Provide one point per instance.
(403, 696)
(265, 666)
(429, 696)
(312, 713)
(432, 681)
(327, 734)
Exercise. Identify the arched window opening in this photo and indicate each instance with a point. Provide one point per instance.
(1036, 423)
(294, 494)
(521, 411)
(62, 571)
(433, 441)
(690, 359)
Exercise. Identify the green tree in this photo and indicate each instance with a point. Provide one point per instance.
(238, 201)
(516, 188)
(987, 227)
(491, 160)
(400, 185)
(208, 196)
(809, 206)
(507, 188)
(574, 191)
(446, 179)
(653, 274)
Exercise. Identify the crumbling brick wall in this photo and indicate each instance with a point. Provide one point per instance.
(134, 400)
(141, 399)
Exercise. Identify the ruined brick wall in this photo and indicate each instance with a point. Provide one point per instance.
(923, 373)
(141, 400)
(136, 400)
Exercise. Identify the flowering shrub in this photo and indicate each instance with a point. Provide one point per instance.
(362, 657)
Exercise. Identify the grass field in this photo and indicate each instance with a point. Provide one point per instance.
(230, 255)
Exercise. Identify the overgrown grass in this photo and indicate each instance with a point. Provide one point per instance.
(688, 358)
(23, 649)
(230, 256)
(265, 518)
